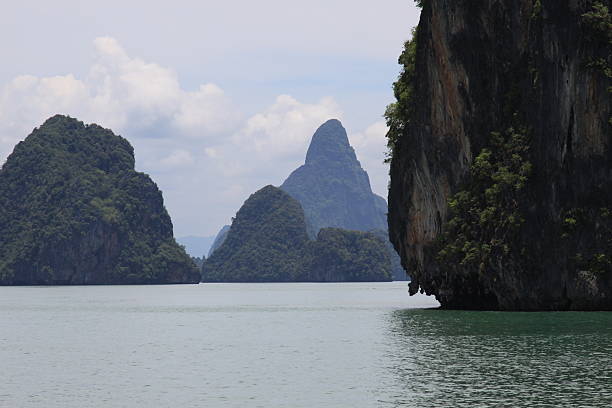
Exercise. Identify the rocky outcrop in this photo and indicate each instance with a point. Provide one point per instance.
(74, 211)
(524, 83)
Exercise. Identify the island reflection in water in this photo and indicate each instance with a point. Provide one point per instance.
(473, 359)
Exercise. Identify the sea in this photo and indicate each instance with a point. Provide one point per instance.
(291, 345)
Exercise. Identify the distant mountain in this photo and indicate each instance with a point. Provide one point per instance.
(196, 246)
(335, 190)
(221, 235)
(332, 187)
(74, 211)
(268, 242)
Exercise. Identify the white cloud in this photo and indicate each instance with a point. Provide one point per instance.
(210, 152)
(123, 93)
(286, 126)
(203, 153)
(25, 101)
(178, 158)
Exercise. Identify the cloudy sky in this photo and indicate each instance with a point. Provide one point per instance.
(218, 98)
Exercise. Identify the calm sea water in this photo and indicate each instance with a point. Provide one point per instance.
(290, 345)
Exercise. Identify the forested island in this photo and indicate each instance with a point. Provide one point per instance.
(334, 193)
(501, 155)
(268, 242)
(74, 211)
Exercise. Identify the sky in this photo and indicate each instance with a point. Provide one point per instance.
(218, 98)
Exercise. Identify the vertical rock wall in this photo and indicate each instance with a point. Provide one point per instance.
(482, 66)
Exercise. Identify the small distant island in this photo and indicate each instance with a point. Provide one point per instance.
(268, 242)
(74, 211)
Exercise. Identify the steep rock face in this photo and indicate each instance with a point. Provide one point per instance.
(487, 66)
(332, 187)
(74, 211)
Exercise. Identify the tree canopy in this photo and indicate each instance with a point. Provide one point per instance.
(74, 210)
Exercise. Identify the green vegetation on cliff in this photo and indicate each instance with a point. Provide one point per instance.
(593, 253)
(487, 213)
(398, 113)
(74, 211)
(501, 152)
(598, 23)
(219, 239)
(397, 270)
(267, 242)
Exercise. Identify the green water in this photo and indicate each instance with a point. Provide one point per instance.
(485, 359)
(290, 345)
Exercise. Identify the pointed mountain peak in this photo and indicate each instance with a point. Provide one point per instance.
(330, 142)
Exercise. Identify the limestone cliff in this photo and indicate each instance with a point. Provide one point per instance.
(501, 174)
(74, 211)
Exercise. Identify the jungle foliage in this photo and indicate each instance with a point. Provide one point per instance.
(487, 213)
(342, 255)
(398, 113)
(268, 242)
(64, 191)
